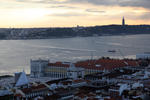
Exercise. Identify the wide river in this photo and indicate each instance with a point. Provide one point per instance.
(15, 55)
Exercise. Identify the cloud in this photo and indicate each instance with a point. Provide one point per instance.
(95, 11)
(122, 3)
(131, 15)
(137, 16)
(145, 16)
(135, 3)
(68, 14)
(42, 1)
(62, 6)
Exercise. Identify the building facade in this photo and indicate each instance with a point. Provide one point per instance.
(44, 68)
(37, 67)
(74, 72)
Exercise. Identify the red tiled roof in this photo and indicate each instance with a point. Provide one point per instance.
(92, 99)
(58, 64)
(110, 99)
(41, 86)
(18, 95)
(91, 94)
(79, 80)
(81, 95)
(107, 64)
(115, 98)
(33, 88)
(66, 82)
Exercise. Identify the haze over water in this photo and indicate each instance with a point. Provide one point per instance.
(15, 55)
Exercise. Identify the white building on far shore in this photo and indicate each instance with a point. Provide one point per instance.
(145, 55)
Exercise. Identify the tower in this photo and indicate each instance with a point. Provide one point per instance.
(123, 22)
(37, 67)
(74, 72)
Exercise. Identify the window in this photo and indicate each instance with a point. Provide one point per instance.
(70, 74)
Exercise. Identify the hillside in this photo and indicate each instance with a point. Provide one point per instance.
(45, 33)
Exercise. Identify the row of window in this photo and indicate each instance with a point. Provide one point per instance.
(56, 75)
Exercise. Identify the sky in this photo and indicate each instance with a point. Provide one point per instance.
(70, 13)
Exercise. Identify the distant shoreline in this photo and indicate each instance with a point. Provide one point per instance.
(72, 26)
(5, 76)
(70, 32)
(74, 37)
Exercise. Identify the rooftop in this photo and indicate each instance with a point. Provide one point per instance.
(100, 64)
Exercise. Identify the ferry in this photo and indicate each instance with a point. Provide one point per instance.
(112, 51)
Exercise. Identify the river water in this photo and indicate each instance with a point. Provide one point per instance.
(15, 55)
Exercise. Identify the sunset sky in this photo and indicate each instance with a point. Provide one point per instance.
(70, 13)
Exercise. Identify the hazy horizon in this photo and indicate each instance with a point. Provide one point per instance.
(71, 26)
(70, 13)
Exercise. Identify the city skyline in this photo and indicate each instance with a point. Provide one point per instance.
(70, 13)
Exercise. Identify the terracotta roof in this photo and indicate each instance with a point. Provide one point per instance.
(55, 81)
(41, 86)
(81, 95)
(100, 64)
(115, 98)
(18, 95)
(92, 99)
(108, 64)
(33, 88)
(58, 64)
(79, 81)
(66, 82)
